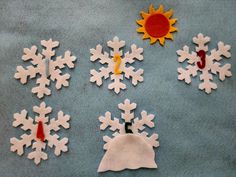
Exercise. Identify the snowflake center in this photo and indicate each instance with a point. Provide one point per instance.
(157, 25)
(128, 127)
(40, 132)
(47, 67)
(117, 60)
(202, 54)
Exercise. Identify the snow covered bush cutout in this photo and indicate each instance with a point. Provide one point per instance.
(206, 64)
(116, 65)
(45, 67)
(40, 132)
(130, 147)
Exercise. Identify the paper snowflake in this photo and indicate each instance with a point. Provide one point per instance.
(206, 64)
(116, 65)
(40, 132)
(43, 65)
(129, 140)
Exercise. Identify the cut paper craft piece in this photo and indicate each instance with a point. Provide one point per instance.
(207, 65)
(43, 65)
(157, 25)
(130, 147)
(42, 132)
(115, 65)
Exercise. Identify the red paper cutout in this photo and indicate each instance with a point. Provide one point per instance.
(202, 54)
(157, 25)
(40, 133)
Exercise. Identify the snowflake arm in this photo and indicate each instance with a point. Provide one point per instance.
(60, 145)
(26, 140)
(30, 71)
(107, 141)
(62, 120)
(113, 124)
(216, 55)
(42, 110)
(117, 85)
(107, 121)
(38, 154)
(128, 108)
(21, 119)
(145, 120)
(207, 85)
(201, 42)
(223, 50)
(116, 45)
(17, 145)
(41, 88)
(68, 60)
(61, 79)
(185, 55)
(97, 54)
(136, 54)
(185, 74)
(97, 76)
(23, 74)
(31, 54)
(224, 71)
(136, 75)
(48, 52)
(152, 140)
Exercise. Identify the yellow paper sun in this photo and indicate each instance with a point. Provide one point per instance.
(157, 24)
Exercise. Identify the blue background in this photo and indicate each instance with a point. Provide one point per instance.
(197, 131)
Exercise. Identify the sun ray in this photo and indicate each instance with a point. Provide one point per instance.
(146, 36)
(173, 29)
(144, 15)
(140, 22)
(169, 36)
(153, 40)
(169, 13)
(162, 41)
(141, 29)
(157, 25)
(160, 9)
(151, 9)
(173, 21)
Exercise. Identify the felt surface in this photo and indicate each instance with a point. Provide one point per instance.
(196, 131)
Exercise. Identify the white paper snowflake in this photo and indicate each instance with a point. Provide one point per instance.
(39, 142)
(43, 65)
(116, 65)
(206, 64)
(129, 138)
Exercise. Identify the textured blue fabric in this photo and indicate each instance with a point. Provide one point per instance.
(197, 131)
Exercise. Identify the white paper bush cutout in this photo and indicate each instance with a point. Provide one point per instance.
(108, 60)
(213, 66)
(47, 69)
(27, 123)
(128, 150)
